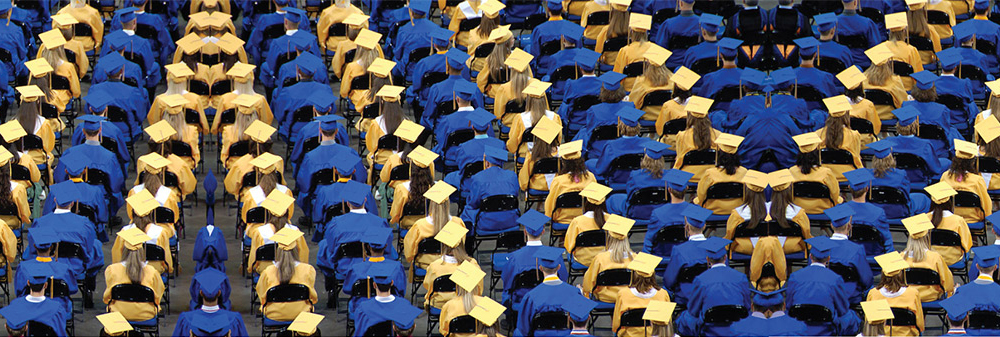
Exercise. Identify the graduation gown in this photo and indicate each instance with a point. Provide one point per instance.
(108, 130)
(598, 115)
(408, 38)
(360, 271)
(954, 223)
(963, 89)
(262, 236)
(160, 236)
(289, 72)
(816, 284)
(441, 92)
(444, 266)
(906, 298)
(790, 245)
(564, 183)
(779, 324)
(865, 109)
(90, 195)
(851, 142)
(70, 228)
(519, 261)
(185, 322)
(613, 149)
(822, 175)
(331, 195)
(984, 294)
(933, 261)
(92, 18)
(672, 109)
(420, 230)
(971, 183)
(714, 176)
(582, 223)
(573, 89)
(121, 41)
(628, 299)
(390, 163)
(303, 274)
(185, 178)
(553, 29)
(487, 183)
(547, 296)
(347, 228)
(454, 308)
(685, 144)
(210, 249)
(19, 196)
(534, 182)
(684, 255)
(116, 274)
(852, 254)
(871, 215)
(719, 285)
(850, 24)
(377, 310)
(47, 312)
(320, 158)
(311, 130)
(515, 143)
(668, 214)
(601, 263)
(60, 272)
(165, 196)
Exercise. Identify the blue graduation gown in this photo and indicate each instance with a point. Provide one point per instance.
(716, 286)
(519, 261)
(195, 291)
(359, 271)
(894, 178)
(712, 83)
(730, 119)
(408, 38)
(703, 50)
(132, 100)
(75, 229)
(545, 32)
(683, 255)
(90, 195)
(797, 109)
(758, 326)
(350, 227)
(869, 214)
(984, 295)
(312, 130)
(824, 82)
(444, 91)
(961, 119)
(683, 25)
(662, 216)
(417, 93)
(583, 86)
(854, 24)
(210, 249)
(371, 311)
(109, 130)
(96, 157)
(852, 254)
(599, 115)
(162, 44)
(120, 41)
(819, 285)
(12, 40)
(48, 312)
(768, 133)
(473, 150)
(104, 69)
(835, 50)
(319, 158)
(562, 58)
(544, 297)
(457, 121)
(490, 182)
(186, 319)
(293, 98)
(637, 180)
(290, 69)
(256, 46)
(38, 17)
(61, 272)
(382, 18)
(601, 166)
(329, 195)
(299, 41)
(989, 67)
(985, 30)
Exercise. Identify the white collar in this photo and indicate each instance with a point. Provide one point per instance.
(697, 237)
(359, 211)
(210, 39)
(449, 259)
(648, 294)
(717, 265)
(943, 75)
(386, 299)
(129, 32)
(466, 108)
(210, 308)
(885, 292)
(61, 211)
(838, 236)
(997, 242)
(777, 314)
(586, 75)
(945, 214)
(534, 243)
(210, 228)
(589, 214)
(758, 315)
(601, 2)
(817, 264)
(34, 299)
(290, 32)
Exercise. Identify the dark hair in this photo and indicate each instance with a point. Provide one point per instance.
(779, 204)
(598, 210)
(835, 130)
(576, 168)
(730, 162)
(757, 204)
(681, 94)
(858, 91)
(6, 197)
(960, 167)
(420, 181)
(165, 149)
(36, 287)
(806, 161)
(392, 114)
(937, 210)
(611, 96)
(924, 95)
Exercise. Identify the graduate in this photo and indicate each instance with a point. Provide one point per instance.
(892, 288)
(452, 238)
(869, 214)
(491, 181)
(958, 309)
(293, 41)
(535, 109)
(437, 62)
(210, 317)
(907, 141)
(593, 219)
(555, 29)
(698, 136)
(159, 134)
(982, 293)
(133, 270)
(98, 105)
(352, 226)
(727, 76)
(850, 23)
(687, 254)
(918, 254)
(209, 276)
(161, 233)
(617, 256)
(964, 90)
(162, 42)
(416, 35)
(376, 241)
(46, 243)
(836, 134)
(334, 15)
(70, 228)
(816, 284)
(293, 20)
(455, 122)
(427, 227)
(807, 168)
(120, 41)
(942, 217)
(90, 196)
(298, 98)
(93, 155)
(848, 253)
(287, 74)
(932, 112)
(473, 150)
(16, 194)
(768, 317)
(587, 84)
(277, 205)
(668, 214)
(85, 14)
(127, 76)
(545, 149)
(445, 91)
(331, 196)
(31, 106)
(719, 285)
(985, 29)
(707, 48)
(320, 157)
(287, 269)
(384, 306)
(641, 291)
(550, 295)
(828, 47)
(579, 309)
(412, 191)
(467, 277)
(628, 142)
(210, 247)
(35, 307)
(573, 177)
(808, 75)
(605, 113)
(524, 260)
(962, 177)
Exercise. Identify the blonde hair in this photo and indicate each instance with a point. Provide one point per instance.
(917, 248)
(468, 299)
(882, 166)
(879, 74)
(134, 263)
(177, 122)
(242, 122)
(440, 214)
(618, 248)
(518, 81)
(365, 56)
(286, 263)
(176, 88)
(537, 106)
(657, 75)
(55, 56)
(495, 61)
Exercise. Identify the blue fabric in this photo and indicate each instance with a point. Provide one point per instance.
(542, 298)
(490, 182)
(714, 287)
(868, 214)
(853, 24)
(545, 32)
(371, 312)
(683, 25)
(518, 262)
(821, 286)
(783, 325)
(444, 91)
(188, 321)
(119, 41)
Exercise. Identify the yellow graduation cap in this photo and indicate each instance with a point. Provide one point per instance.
(154, 162)
(965, 149)
(390, 93)
(621, 4)
(440, 192)
(190, 43)
(305, 323)
(229, 43)
(780, 179)
(487, 311)
(38, 67)
(940, 192)
(64, 20)
(266, 162)
(467, 275)
(134, 237)
(837, 105)
(491, 8)
(851, 77)
(685, 78)
(895, 21)
(660, 312)
(989, 129)
(247, 101)
(287, 236)
(657, 55)
(451, 235)
(879, 54)
(698, 106)
(381, 67)
(259, 131)
(618, 226)
(12, 131)
(179, 70)
(5, 155)
(160, 131)
(30, 93)
(640, 22)
(277, 203)
(500, 34)
(891, 263)
(728, 143)
(52, 39)
(142, 203)
(422, 157)
(571, 150)
(114, 323)
(644, 264)
(175, 100)
(536, 88)
(547, 130)
(595, 193)
(915, 4)
(408, 130)
(994, 87)
(807, 142)
(368, 39)
(241, 70)
(356, 19)
(755, 180)
(518, 60)
(918, 225)
(877, 310)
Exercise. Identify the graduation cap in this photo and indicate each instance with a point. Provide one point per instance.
(390, 93)
(91, 122)
(368, 39)
(851, 77)
(190, 43)
(421, 7)
(915, 4)
(807, 142)
(160, 131)
(64, 194)
(755, 180)
(655, 150)
(247, 101)
(924, 79)
(345, 164)
(174, 102)
(133, 238)
(820, 247)
(698, 106)
(906, 115)
(965, 149)
(630, 116)
(768, 299)
(381, 67)
(356, 19)
(180, 71)
(230, 44)
(618, 226)
(841, 214)
(64, 20)
(728, 47)
(451, 235)
(571, 150)
(611, 80)
(572, 33)
(294, 14)
(259, 131)
(305, 323)
(677, 180)
(985, 256)
(950, 58)
(964, 33)
(696, 215)
(826, 21)
(656, 55)
(422, 157)
(441, 191)
(322, 101)
(43, 237)
(879, 54)
(715, 247)
(12, 131)
(277, 203)
(644, 264)
(579, 308)
(988, 129)
(266, 162)
(918, 225)
(957, 307)
(553, 5)
(456, 58)
(728, 143)
(466, 90)
(783, 78)
(877, 310)
(534, 222)
(328, 122)
(837, 105)
(481, 120)
(441, 37)
(495, 155)
(52, 39)
(882, 148)
(377, 237)
(660, 312)
(895, 21)
(586, 59)
(859, 179)
(640, 22)
(780, 179)
(500, 34)
(994, 87)
(210, 281)
(381, 273)
(940, 192)
(287, 237)
(5, 155)
(126, 14)
(487, 311)
(536, 88)
(549, 257)
(114, 323)
(595, 193)
(752, 80)
(710, 22)
(620, 4)
(30, 93)
(807, 45)
(981, 5)
(467, 275)
(403, 315)
(153, 162)
(685, 78)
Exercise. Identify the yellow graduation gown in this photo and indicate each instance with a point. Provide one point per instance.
(583, 223)
(439, 268)
(422, 229)
(221, 5)
(34, 174)
(638, 95)
(971, 183)
(304, 274)
(263, 110)
(907, 298)
(528, 181)
(374, 130)
(400, 197)
(451, 309)
(391, 162)
(185, 179)
(521, 124)
(851, 141)
(601, 263)
(9, 242)
(592, 31)
(60, 97)
(462, 38)
(943, 31)
(502, 94)
(714, 176)
(956, 224)
(255, 196)
(19, 194)
(629, 54)
(865, 109)
(822, 175)
(338, 63)
(44, 131)
(607, 57)
(116, 274)
(685, 143)
(351, 71)
(92, 18)
(563, 183)
(159, 232)
(933, 261)
(330, 16)
(671, 110)
(895, 88)
(262, 236)
(745, 245)
(906, 53)
(170, 201)
(627, 300)
(81, 62)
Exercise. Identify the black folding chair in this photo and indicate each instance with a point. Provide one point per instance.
(442, 284)
(586, 239)
(137, 293)
(549, 320)
(283, 293)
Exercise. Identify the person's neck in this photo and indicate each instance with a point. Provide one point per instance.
(210, 303)
(37, 293)
(676, 200)
(844, 232)
(323, 138)
(828, 36)
(806, 63)
(380, 293)
(860, 200)
(95, 138)
(728, 65)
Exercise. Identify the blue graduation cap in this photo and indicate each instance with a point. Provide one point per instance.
(820, 246)
(586, 59)
(783, 78)
(768, 299)
(553, 5)
(210, 184)
(38, 273)
(294, 14)
(549, 257)
(91, 122)
(377, 237)
(715, 247)
(465, 90)
(753, 79)
(985, 256)
(209, 326)
(957, 307)
(126, 14)
(994, 219)
(710, 22)
(906, 115)
(728, 46)
(656, 150)
(421, 7)
(74, 167)
(696, 215)
(950, 58)
(6, 5)
(826, 21)
(677, 180)
(64, 194)
(859, 179)
(210, 281)
(807, 45)
(964, 33)
(354, 192)
(882, 148)
(579, 308)
(15, 315)
(629, 115)
(283, 3)
(43, 237)
(306, 71)
(495, 155)
(441, 37)
(98, 100)
(841, 214)
(572, 33)
(345, 164)
(322, 101)
(381, 272)
(611, 80)
(403, 315)
(480, 119)
(456, 58)
(981, 5)
(534, 222)
(328, 122)
(924, 79)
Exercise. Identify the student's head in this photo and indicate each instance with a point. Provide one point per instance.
(286, 259)
(19, 331)
(207, 300)
(135, 260)
(598, 208)
(576, 168)
(644, 283)
(962, 166)
(619, 247)
(882, 166)
(543, 149)
(612, 96)
(879, 74)
(924, 95)
(938, 209)
(807, 161)
(151, 182)
(835, 126)
(917, 246)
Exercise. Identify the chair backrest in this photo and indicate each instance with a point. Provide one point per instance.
(988, 164)
(446, 108)
(932, 132)
(569, 200)
(546, 166)
(468, 24)
(935, 17)
(674, 126)
(944, 237)
(705, 65)
(627, 162)
(879, 97)
(256, 215)
(499, 203)
(82, 29)
(419, 54)
(853, 41)
(429, 246)
(601, 18)
(909, 161)
(865, 234)
(443, 284)
(549, 320)
(657, 98)
(604, 132)
(400, 172)
(181, 148)
(655, 195)
(633, 69)
(874, 14)
(527, 279)
(767, 228)
(810, 94)
(725, 314)
(632, 318)
(972, 72)
(19, 172)
(548, 48)
(163, 215)
(836, 157)
(583, 103)
(382, 328)
(154, 252)
(968, 199)
(128, 292)
(284, 293)
(471, 169)
(564, 73)
(353, 249)
(902, 317)
(862, 126)
(615, 43)
(613, 277)
(265, 252)
(199, 88)
(431, 78)
(484, 49)
(699, 157)
(830, 64)
(984, 320)
(360, 83)
(901, 68)
(689, 273)
(70, 250)
(49, 111)
(116, 114)
(727, 190)
(86, 211)
(322, 177)
(811, 189)
(363, 288)
(510, 241)
(464, 324)
(921, 276)
(846, 272)
(39, 329)
(459, 137)
(591, 238)
(334, 211)
(811, 313)
(727, 94)
(337, 29)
